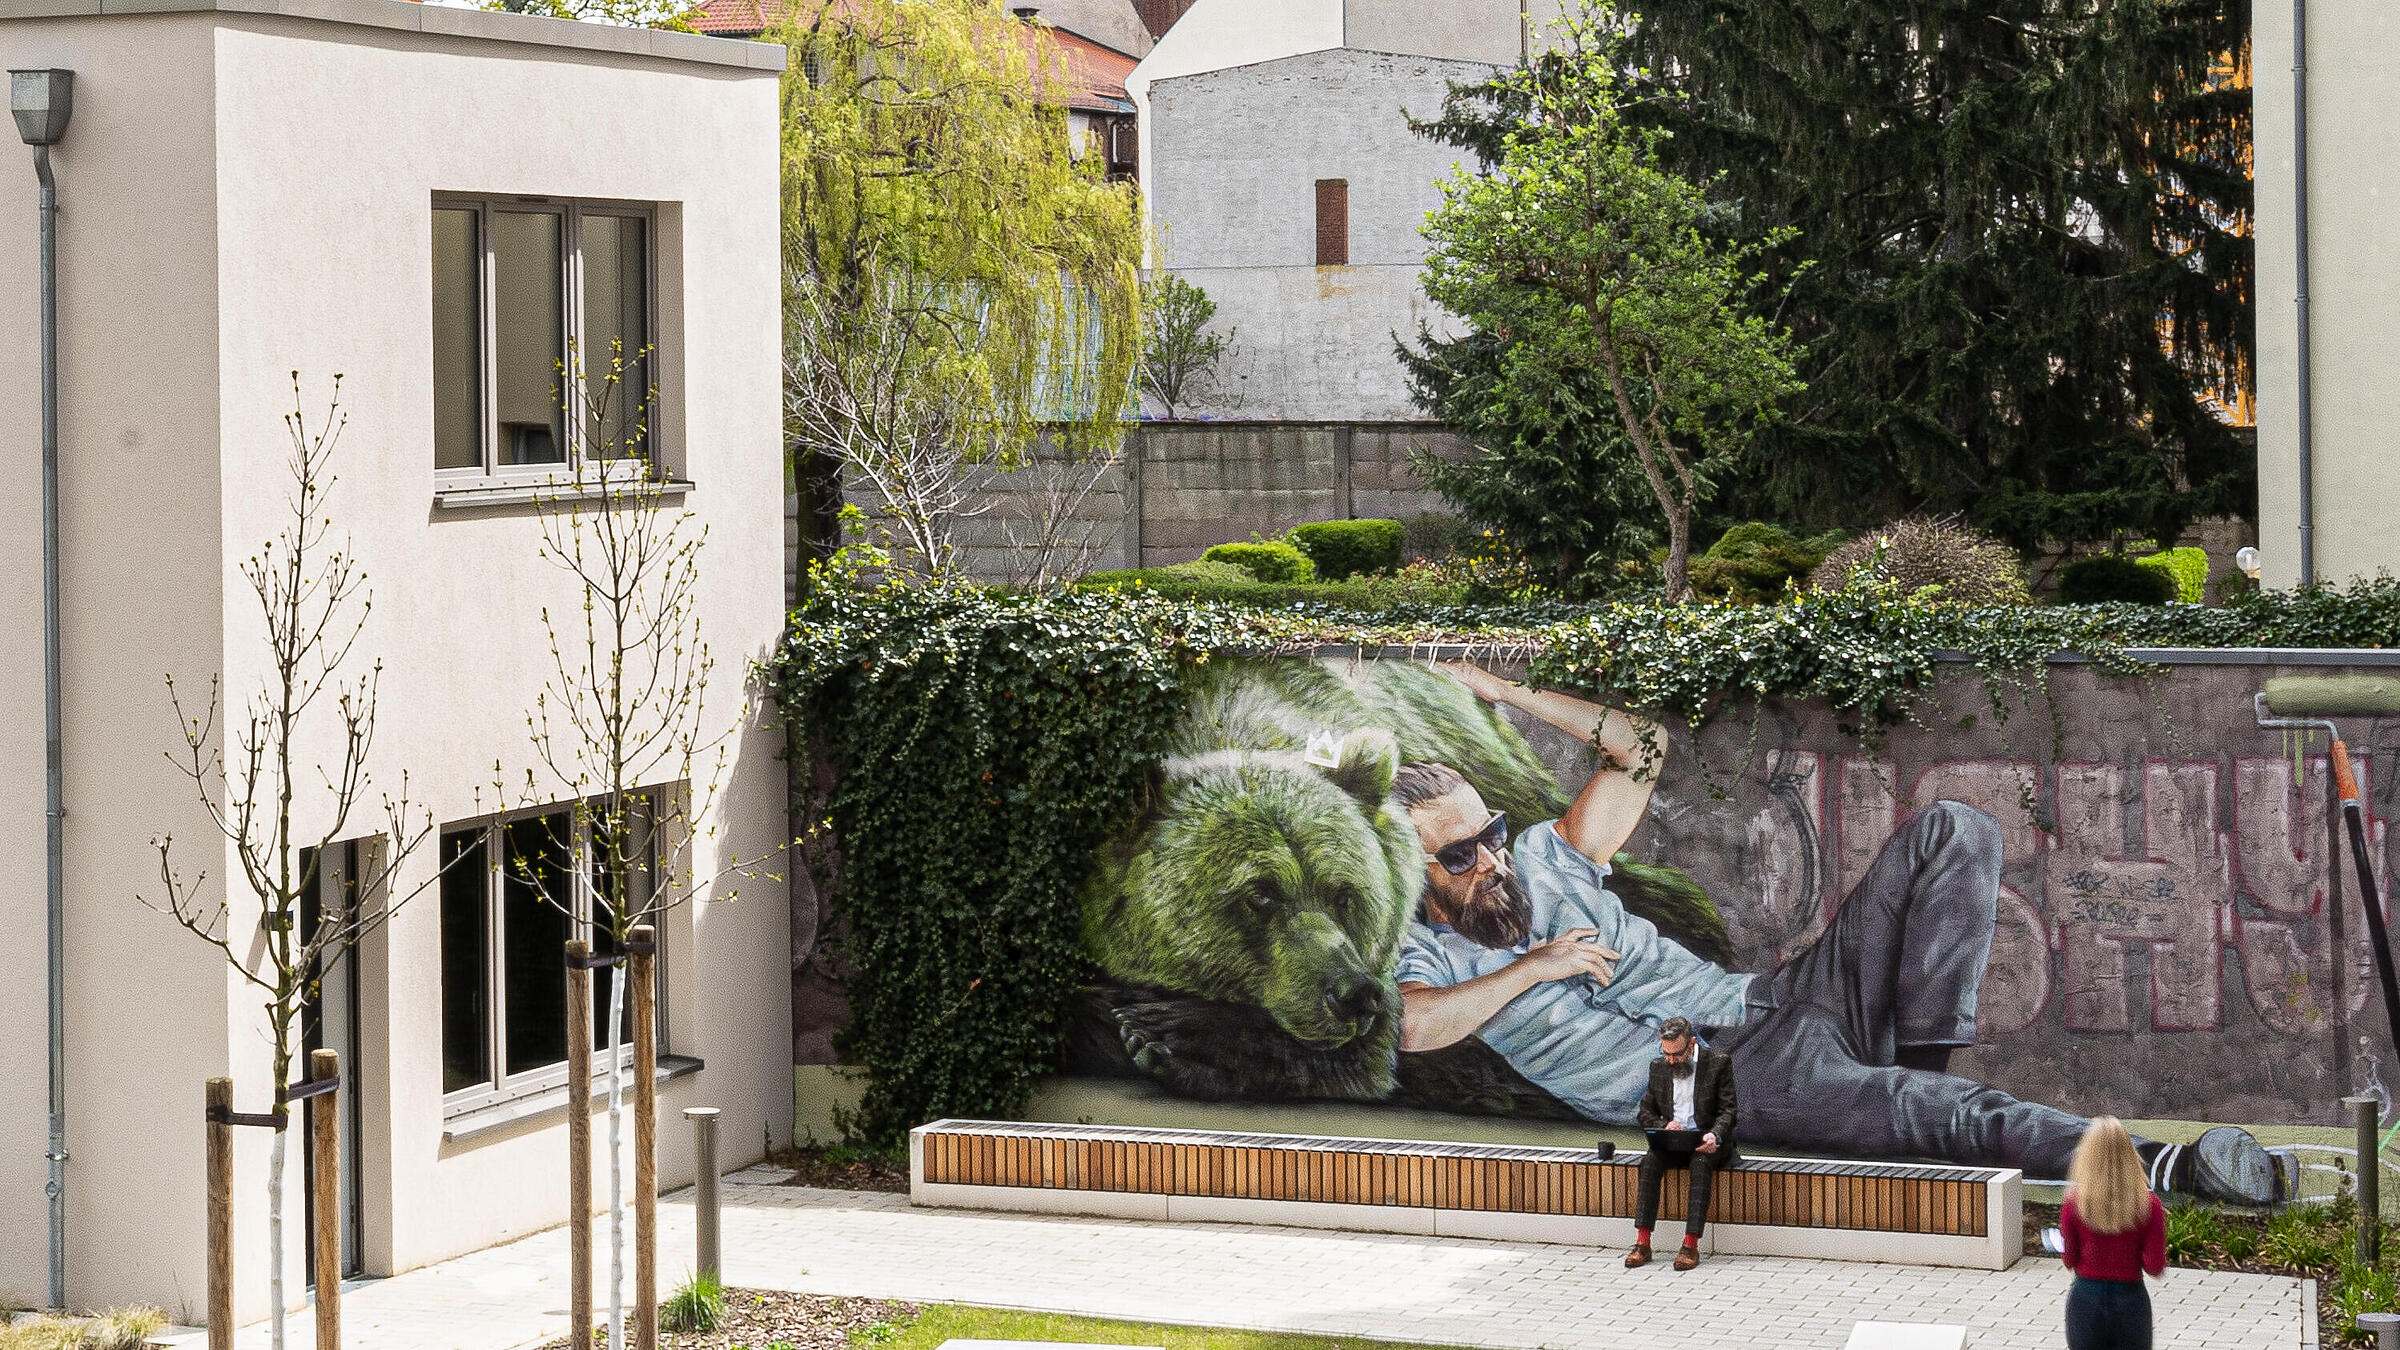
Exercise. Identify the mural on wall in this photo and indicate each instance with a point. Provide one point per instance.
(1422, 883)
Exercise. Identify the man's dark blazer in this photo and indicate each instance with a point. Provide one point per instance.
(1712, 1098)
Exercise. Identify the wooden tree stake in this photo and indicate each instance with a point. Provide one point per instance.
(579, 1145)
(220, 1215)
(645, 1137)
(325, 1167)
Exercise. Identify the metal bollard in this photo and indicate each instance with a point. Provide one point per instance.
(704, 1187)
(2370, 1177)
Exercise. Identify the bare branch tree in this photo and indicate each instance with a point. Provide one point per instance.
(313, 600)
(1051, 542)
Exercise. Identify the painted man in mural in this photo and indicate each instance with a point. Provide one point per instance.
(1842, 1050)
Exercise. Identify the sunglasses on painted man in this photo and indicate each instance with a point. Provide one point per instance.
(1459, 858)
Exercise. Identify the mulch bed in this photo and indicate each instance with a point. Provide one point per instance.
(835, 1168)
(762, 1319)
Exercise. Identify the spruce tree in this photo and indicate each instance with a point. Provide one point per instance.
(2028, 273)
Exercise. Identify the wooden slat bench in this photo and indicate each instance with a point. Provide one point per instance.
(1897, 1212)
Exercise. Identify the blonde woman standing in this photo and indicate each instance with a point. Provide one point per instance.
(2114, 1230)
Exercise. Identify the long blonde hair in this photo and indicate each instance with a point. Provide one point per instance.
(2105, 1179)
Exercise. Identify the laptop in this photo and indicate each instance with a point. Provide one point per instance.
(1675, 1141)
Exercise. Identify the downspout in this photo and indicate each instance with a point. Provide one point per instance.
(40, 100)
(2308, 466)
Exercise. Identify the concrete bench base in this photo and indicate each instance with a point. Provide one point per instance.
(1895, 1212)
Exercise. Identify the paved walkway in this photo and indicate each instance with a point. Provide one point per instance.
(1521, 1296)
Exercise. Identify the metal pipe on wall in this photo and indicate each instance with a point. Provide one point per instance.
(40, 101)
(2308, 468)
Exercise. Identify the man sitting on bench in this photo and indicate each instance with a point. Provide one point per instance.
(1688, 1111)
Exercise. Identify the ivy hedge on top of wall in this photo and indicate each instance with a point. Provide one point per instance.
(983, 744)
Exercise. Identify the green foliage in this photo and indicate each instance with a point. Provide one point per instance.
(1272, 560)
(1934, 561)
(1179, 355)
(1342, 549)
(1581, 254)
(2361, 1288)
(2302, 1237)
(1756, 562)
(947, 259)
(116, 1329)
(699, 1306)
(2189, 567)
(1988, 213)
(2194, 1233)
(2114, 577)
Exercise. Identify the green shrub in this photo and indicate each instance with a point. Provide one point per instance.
(699, 1306)
(2361, 1288)
(1342, 549)
(2194, 1234)
(1755, 563)
(1432, 536)
(1273, 560)
(2189, 568)
(2113, 577)
(2301, 1239)
(1934, 560)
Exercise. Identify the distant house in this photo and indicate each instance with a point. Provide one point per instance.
(1281, 176)
(1097, 43)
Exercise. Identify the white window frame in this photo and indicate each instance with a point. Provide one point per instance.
(572, 212)
(500, 1086)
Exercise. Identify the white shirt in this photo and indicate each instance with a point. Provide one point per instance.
(1683, 1095)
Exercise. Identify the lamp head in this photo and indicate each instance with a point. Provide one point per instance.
(41, 100)
(2247, 560)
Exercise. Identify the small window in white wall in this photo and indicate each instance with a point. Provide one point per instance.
(527, 297)
(512, 896)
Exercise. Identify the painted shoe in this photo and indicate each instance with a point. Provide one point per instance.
(2224, 1164)
(1639, 1256)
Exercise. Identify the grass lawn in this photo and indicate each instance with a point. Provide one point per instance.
(944, 1321)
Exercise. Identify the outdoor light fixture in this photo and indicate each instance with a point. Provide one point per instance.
(41, 100)
(2246, 559)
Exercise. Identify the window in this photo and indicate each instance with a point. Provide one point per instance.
(523, 290)
(1333, 222)
(511, 899)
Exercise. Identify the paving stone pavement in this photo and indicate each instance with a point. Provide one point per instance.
(1513, 1296)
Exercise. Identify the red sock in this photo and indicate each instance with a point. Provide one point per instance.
(1641, 1237)
(1691, 1242)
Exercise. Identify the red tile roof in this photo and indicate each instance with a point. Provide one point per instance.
(1093, 75)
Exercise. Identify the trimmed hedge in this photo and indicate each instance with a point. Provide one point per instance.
(1342, 549)
(1272, 561)
(2189, 567)
(2114, 577)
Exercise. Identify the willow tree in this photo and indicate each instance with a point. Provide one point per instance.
(957, 276)
(2017, 248)
(1588, 262)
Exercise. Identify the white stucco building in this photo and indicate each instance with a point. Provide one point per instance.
(2353, 47)
(437, 204)
(1281, 177)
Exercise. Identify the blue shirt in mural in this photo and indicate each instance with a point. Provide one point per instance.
(1587, 1044)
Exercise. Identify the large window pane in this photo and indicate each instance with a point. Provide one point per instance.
(538, 881)
(457, 341)
(466, 969)
(616, 333)
(532, 339)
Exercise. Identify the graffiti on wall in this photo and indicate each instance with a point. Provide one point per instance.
(1396, 881)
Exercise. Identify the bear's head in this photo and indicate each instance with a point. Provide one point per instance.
(1268, 878)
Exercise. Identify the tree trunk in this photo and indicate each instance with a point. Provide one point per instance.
(1679, 553)
(616, 1156)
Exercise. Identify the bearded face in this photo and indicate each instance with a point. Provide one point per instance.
(1494, 911)
(1486, 902)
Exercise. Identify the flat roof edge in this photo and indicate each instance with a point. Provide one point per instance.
(444, 21)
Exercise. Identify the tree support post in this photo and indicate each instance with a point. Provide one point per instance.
(220, 1213)
(579, 1144)
(325, 1188)
(644, 951)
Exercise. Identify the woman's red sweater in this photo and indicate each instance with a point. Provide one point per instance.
(2114, 1256)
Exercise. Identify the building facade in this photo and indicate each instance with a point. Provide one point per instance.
(444, 207)
(2353, 291)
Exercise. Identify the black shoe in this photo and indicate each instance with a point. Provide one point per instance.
(2224, 1164)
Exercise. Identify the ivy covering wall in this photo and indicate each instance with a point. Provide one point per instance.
(982, 745)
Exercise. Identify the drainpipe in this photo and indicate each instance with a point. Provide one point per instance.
(41, 100)
(2308, 465)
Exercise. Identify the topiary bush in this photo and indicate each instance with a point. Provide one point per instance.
(1754, 563)
(2114, 577)
(1342, 549)
(1935, 560)
(2188, 566)
(1271, 560)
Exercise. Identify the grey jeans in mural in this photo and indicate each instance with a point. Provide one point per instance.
(1898, 968)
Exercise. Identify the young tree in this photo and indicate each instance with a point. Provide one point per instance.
(279, 806)
(1180, 355)
(954, 273)
(2012, 235)
(1582, 255)
(621, 729)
